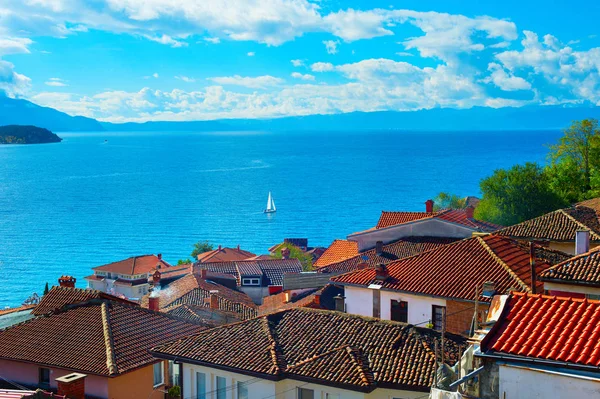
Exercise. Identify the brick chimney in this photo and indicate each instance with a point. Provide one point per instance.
(213, 300)
(582, 241)
(154, 303)
(379, 247)
(469, 211)
(317, 300)
(159, 256)
(67, 281)
(156, 278)
(203, 274)
(381, 272)
(285, 253)
(72, 385)
(429, 206)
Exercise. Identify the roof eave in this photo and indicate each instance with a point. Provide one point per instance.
(581, 283)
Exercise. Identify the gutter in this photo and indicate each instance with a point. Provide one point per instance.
(554, 363)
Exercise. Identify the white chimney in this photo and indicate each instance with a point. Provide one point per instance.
(582, 241)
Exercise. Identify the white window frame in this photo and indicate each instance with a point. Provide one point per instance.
(162, 374)
(254, 281)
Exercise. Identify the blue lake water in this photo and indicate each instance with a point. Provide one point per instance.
(67, 207)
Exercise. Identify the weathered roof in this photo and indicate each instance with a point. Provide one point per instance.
(453, 270)
(17, 309)
(559, 225)
(134, 265)
(565, 330)
(338, 251)
(272, 269)
(103, 337)
(329, 348)
(581, 269)
(223, 254)
(459, 216)
(202, 315)
(316, 298)
(59, 296)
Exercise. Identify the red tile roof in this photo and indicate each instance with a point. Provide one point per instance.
(565, 330)
(103, 337)
(134, 265)
(17, 309)
(58, 297)
(338, 251)
(582, 269)
(223, 254)
(388, 219)
(408, 246)
(593, 203)
(329, 348)
(560, 225)
(459, 216)
(203, 315)
(453, 270)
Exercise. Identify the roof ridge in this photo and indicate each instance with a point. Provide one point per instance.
(570, 260)
(578, 222)
(111, 363)
(316, 357)
(502, 263)
(363, 369)
(273, 346)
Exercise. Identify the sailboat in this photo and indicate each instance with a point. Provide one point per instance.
(270, 205)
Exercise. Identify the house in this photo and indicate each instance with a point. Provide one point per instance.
(310, 353)
(447, 223)
(104, 341)
(329, 297)
(10, 316)
(256, 278)
(558, 229)
(446, 282)
(224, 254)
(302, 244)
(541, 347)
(128, 277)
(197, 291)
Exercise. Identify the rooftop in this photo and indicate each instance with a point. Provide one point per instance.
(224, 254)
(135, 265)
(564, 330)
(272, 269)
(581, 269)
(338, 251)
(329, 348)
(59, 296)
(453, 270)
(458, 216)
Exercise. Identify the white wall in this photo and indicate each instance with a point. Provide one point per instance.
(521, 382)
(572, 288)
(360, 301)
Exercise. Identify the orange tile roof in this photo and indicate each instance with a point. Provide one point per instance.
(58, 297)
(223, 254)
(564, 330)
(338, 251)
(99, 337)
(582, 269)
(459, 216)
(559, 225)
(453, 270)
(17, 309)
(134, 265)
(593, 203)
(325, 347)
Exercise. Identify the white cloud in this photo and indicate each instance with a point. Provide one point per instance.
(321, 67)
(185, 79)
(505, 80)
(306, 76)
(404, 54)
(168, 40)
(56, 82)
(251, 54)
(351, 25)
(14, 45)
(331, 46)
(213, 40)
(257, 82)
(11, 82)
(297, 63)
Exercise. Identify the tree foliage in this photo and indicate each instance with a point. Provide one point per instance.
(513, 195)
(46, 289)
(449, 201)
(201, 247)
(296, 253)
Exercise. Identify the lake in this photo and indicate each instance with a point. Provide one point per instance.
(102, 197)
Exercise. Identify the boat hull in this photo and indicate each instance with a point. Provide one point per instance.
(267, 211)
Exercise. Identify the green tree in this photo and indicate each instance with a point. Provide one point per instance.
(575, 157)
(296, 253)
(183, 262)
(201, 247)
(46, 289)
(513, 195)
(449, 201)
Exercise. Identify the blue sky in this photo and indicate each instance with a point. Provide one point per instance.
(134, 60)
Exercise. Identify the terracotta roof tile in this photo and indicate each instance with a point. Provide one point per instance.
(388, 219)
(408, 246)
(17, 309)
(307, 299)
(134, 265)
(459, 216)
(224, 254)
(338, 251)
(593, 203)
(103, 337)
(549, 328)
(202, 315)
(451, 271)
(560, 225)
(581, 269)
(330, 348)
(272, 269)
(58, 297)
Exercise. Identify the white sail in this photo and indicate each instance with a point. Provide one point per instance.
(270, 204)
(273, 205)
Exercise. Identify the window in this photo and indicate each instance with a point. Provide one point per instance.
(174, 373)
(200, 386)
(242, 390)
(437, 317)
(306, 393)
(159, 374)
(251, 281)
(399, 311)
(592, 296)
(221, 387)
(44, 377)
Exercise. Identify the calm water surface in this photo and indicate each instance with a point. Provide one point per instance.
(67, 207)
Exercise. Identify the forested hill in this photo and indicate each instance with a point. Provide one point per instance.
(15, 134)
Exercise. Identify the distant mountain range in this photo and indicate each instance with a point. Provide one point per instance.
(23, 112)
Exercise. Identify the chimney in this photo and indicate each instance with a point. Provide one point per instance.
(381, 272)
(153, 303)
(339, 303)
(285, 253)
(159, 256)
(469, 211)
(317, 300)
(72, 385)
(220, 247)
(67, 281)
(214, 300)
(379, 247)
(156, 278)
(429, 206)
(582, 241)
(238, 247)
(532, 267)
(203, 273)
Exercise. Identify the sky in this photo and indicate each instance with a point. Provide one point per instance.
(177, 60)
